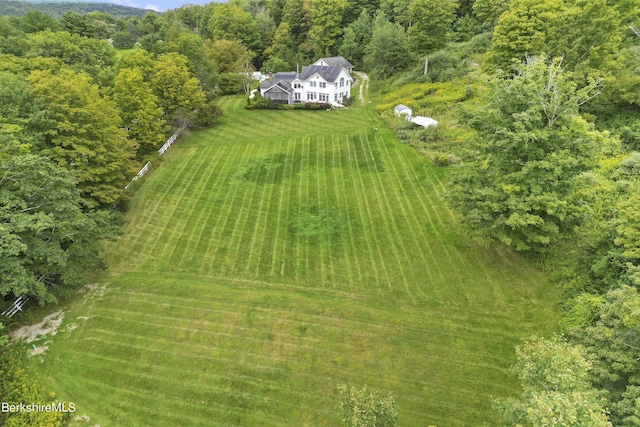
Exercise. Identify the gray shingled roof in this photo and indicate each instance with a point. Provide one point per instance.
(337, 61)
(328, 73)
(282, 79)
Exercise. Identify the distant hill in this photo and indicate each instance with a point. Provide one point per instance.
(56, 8)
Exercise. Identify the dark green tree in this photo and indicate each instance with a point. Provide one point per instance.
(357, 37)
(46, 237)
(387, 52)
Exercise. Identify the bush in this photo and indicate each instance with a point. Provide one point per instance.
(444, 159)
(17, 387)
(261, 103)
(208, 114)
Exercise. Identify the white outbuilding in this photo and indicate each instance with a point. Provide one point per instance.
(424, 121)
(402, 110)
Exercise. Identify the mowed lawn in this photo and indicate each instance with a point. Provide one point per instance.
(279, 255)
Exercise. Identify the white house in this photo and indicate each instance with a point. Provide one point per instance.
(315, 83)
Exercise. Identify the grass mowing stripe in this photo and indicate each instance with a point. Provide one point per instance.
(259, 232)
(226, 212)
(160, 247)
(233, 256)
(340, 190)
(231, 185)
(417, 232)
(204, 214)
(180, 252)
(247, 232)
(392, 231)
(322, 201)
(281, 224)
(429, 210)
(366, 232)
(168, 416)
(366, 213)
(297, 202)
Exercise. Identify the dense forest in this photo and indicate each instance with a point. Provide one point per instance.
(19, 8)
(542, 133)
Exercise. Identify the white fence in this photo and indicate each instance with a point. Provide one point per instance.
(161, 151)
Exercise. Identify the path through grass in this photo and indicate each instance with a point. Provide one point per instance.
(280, 254)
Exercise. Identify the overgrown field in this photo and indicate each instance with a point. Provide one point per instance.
(281, 254)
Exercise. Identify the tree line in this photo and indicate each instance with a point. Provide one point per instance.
(550, 169)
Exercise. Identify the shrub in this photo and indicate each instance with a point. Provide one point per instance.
(16, 386)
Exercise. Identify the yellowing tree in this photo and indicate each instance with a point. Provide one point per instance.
(179, 93)
(138, 107)
(85, 135)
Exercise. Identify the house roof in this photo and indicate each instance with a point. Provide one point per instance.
(424, 121)
(283, 79)
(329, 73)
(336, 61)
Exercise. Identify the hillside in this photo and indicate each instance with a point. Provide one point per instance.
(278, 255)
(58, 8)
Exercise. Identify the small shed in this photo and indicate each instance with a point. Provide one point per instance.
(424, 121)
(403, 110)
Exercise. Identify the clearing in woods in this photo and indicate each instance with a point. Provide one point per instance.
(278, 255)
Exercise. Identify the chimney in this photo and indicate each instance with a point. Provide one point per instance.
(297, 67)
(271, 77)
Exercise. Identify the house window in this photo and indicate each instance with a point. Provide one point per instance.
(335, 97)
(324, 97)
(297, 96)
(341, 81)
(297, 85)
(323, 84)
(312, 84)
(311, 96)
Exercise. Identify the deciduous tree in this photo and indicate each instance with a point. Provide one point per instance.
(85, 135)
(325, 17)
(46, 238)
(523, 186)
(556, 389)
(431, 22)
(138, 107)
(387, 53)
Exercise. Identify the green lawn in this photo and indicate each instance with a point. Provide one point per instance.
(283, 253)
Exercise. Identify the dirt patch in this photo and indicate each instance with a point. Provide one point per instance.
(48, 326)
